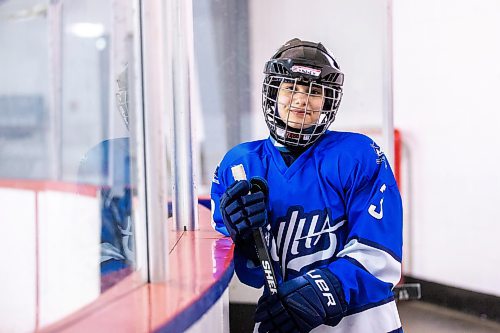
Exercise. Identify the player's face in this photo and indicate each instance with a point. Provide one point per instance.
(300, 105)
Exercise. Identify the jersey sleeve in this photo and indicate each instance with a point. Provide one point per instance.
(216, 192)
(248, 271)
(369, 265)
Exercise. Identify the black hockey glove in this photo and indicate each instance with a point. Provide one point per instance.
(302, 304)
(273, 317)
(243, 208)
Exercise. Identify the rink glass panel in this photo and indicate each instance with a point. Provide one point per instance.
(68, 160)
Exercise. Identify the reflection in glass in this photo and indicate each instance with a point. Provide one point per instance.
(109, 161)
(108, 165)
(66, 156)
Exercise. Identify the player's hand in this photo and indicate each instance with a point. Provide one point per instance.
(310, 300)
(273, 317)
(243, 207)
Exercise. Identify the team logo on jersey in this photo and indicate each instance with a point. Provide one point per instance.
(380, 154)
(306, 238)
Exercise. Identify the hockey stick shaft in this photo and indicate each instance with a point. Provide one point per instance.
(260, 244)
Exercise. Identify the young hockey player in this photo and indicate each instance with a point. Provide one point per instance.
(328, 200)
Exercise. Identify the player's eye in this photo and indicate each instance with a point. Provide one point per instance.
(316, 91)
(287, 87)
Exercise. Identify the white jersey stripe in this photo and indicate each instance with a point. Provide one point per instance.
(378, 262)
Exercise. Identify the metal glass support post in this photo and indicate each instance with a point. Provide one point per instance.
(55, 114)
(185, 208)
(137, 144)
(155, 134)
(388, 104)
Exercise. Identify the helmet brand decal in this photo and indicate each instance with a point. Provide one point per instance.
(306, 70)
(290, 135)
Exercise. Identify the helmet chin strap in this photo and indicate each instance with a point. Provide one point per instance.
(288, 128)
(289, 154)
(279, 146)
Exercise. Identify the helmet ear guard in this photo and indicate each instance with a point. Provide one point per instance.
(309, 64)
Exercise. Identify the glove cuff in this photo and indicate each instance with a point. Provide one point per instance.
(329, 291)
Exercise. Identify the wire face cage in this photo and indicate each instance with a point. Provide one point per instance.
(298, 111)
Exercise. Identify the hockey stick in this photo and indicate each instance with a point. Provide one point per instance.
(238, 172)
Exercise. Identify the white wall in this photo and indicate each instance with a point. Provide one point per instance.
(216, 319)
(50, 256)
(18, 257)
(447, 80)
(69, 236)
(353, 30)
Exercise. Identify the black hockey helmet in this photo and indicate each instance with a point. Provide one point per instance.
(308, 64)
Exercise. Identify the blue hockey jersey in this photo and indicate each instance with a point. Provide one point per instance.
(337, 206)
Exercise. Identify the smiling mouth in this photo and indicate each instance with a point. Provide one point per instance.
(300, 112)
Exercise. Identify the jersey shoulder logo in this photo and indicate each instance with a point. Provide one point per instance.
(380, 154)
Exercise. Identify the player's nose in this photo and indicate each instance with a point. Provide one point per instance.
(299, 99)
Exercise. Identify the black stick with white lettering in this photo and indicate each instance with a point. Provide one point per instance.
(265, 260)
(260, 245)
